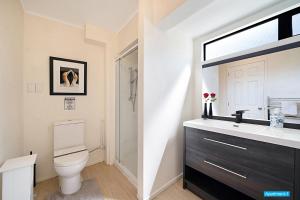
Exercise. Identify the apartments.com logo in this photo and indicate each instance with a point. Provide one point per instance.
(269, 194)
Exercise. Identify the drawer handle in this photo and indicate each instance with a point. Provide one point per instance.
(227, 170)
(231, 145)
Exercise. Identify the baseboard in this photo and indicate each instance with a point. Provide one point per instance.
(131, 178)
(95, 157)
(162, 188)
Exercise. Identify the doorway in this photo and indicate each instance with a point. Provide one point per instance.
(245, 85)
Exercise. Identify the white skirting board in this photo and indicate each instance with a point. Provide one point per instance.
(95, 157)
(132, 179)
(162, 188)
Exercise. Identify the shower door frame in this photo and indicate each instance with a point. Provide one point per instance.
(131, 48)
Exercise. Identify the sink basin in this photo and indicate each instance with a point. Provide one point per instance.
(230, 126)
(249, 128)
(284, 136)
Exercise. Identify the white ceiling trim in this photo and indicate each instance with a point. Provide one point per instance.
(114, 22)
(50, 18)
(54, 19)
(75, 25)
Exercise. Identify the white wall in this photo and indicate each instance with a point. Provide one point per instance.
(11, 49)
(164, 76)
(197, 83)
(163, 8)
(169, 13)
(44, 38)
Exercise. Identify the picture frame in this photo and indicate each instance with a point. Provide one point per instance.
(67, 77)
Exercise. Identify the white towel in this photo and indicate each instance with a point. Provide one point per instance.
(289, 108)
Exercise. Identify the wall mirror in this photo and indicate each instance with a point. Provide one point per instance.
(257, 84)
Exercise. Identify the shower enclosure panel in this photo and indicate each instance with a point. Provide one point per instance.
(126, 140)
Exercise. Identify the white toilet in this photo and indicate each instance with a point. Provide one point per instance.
(70, 154)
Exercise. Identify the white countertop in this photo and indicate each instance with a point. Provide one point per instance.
(281, 136)
(19, 162)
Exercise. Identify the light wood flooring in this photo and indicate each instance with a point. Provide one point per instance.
(113, 185)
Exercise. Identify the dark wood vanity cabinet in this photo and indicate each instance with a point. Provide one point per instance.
(223, 167)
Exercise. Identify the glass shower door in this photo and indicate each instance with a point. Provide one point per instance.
(127, 138)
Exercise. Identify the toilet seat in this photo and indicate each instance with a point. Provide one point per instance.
(71, 159)
(69, 150)
(70, 156)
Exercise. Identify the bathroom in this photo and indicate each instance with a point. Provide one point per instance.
(118, 86)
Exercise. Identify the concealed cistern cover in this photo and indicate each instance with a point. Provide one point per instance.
(68, 134)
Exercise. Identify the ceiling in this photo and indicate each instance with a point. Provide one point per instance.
(220, 13)
(109, 14)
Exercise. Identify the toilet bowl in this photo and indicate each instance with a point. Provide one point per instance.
(68, 168)
(70, 154)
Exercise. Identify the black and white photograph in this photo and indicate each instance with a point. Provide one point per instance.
(67, 77)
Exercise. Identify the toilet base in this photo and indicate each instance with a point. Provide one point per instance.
(70, 185)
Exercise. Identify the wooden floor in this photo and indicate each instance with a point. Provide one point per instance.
(113, 185)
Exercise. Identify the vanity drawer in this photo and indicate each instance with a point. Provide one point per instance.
(272, 160)
(245, 180)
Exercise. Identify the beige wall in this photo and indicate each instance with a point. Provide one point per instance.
(44, 38)
(11, 40)
(128, 34)
(108, 39)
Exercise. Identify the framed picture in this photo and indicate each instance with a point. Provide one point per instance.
(68, 77)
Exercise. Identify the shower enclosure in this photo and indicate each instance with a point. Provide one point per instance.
(126, 134)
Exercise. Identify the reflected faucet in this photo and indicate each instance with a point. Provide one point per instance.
(239, 115)
(133, 86)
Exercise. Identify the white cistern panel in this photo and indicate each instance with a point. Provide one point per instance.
(68, 134)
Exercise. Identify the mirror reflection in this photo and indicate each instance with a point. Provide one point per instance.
(259, 85)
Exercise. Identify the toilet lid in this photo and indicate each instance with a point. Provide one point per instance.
(71, 159)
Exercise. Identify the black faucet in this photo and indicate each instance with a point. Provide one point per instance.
(239, 115)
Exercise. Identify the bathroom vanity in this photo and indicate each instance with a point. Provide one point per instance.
(228, 161)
